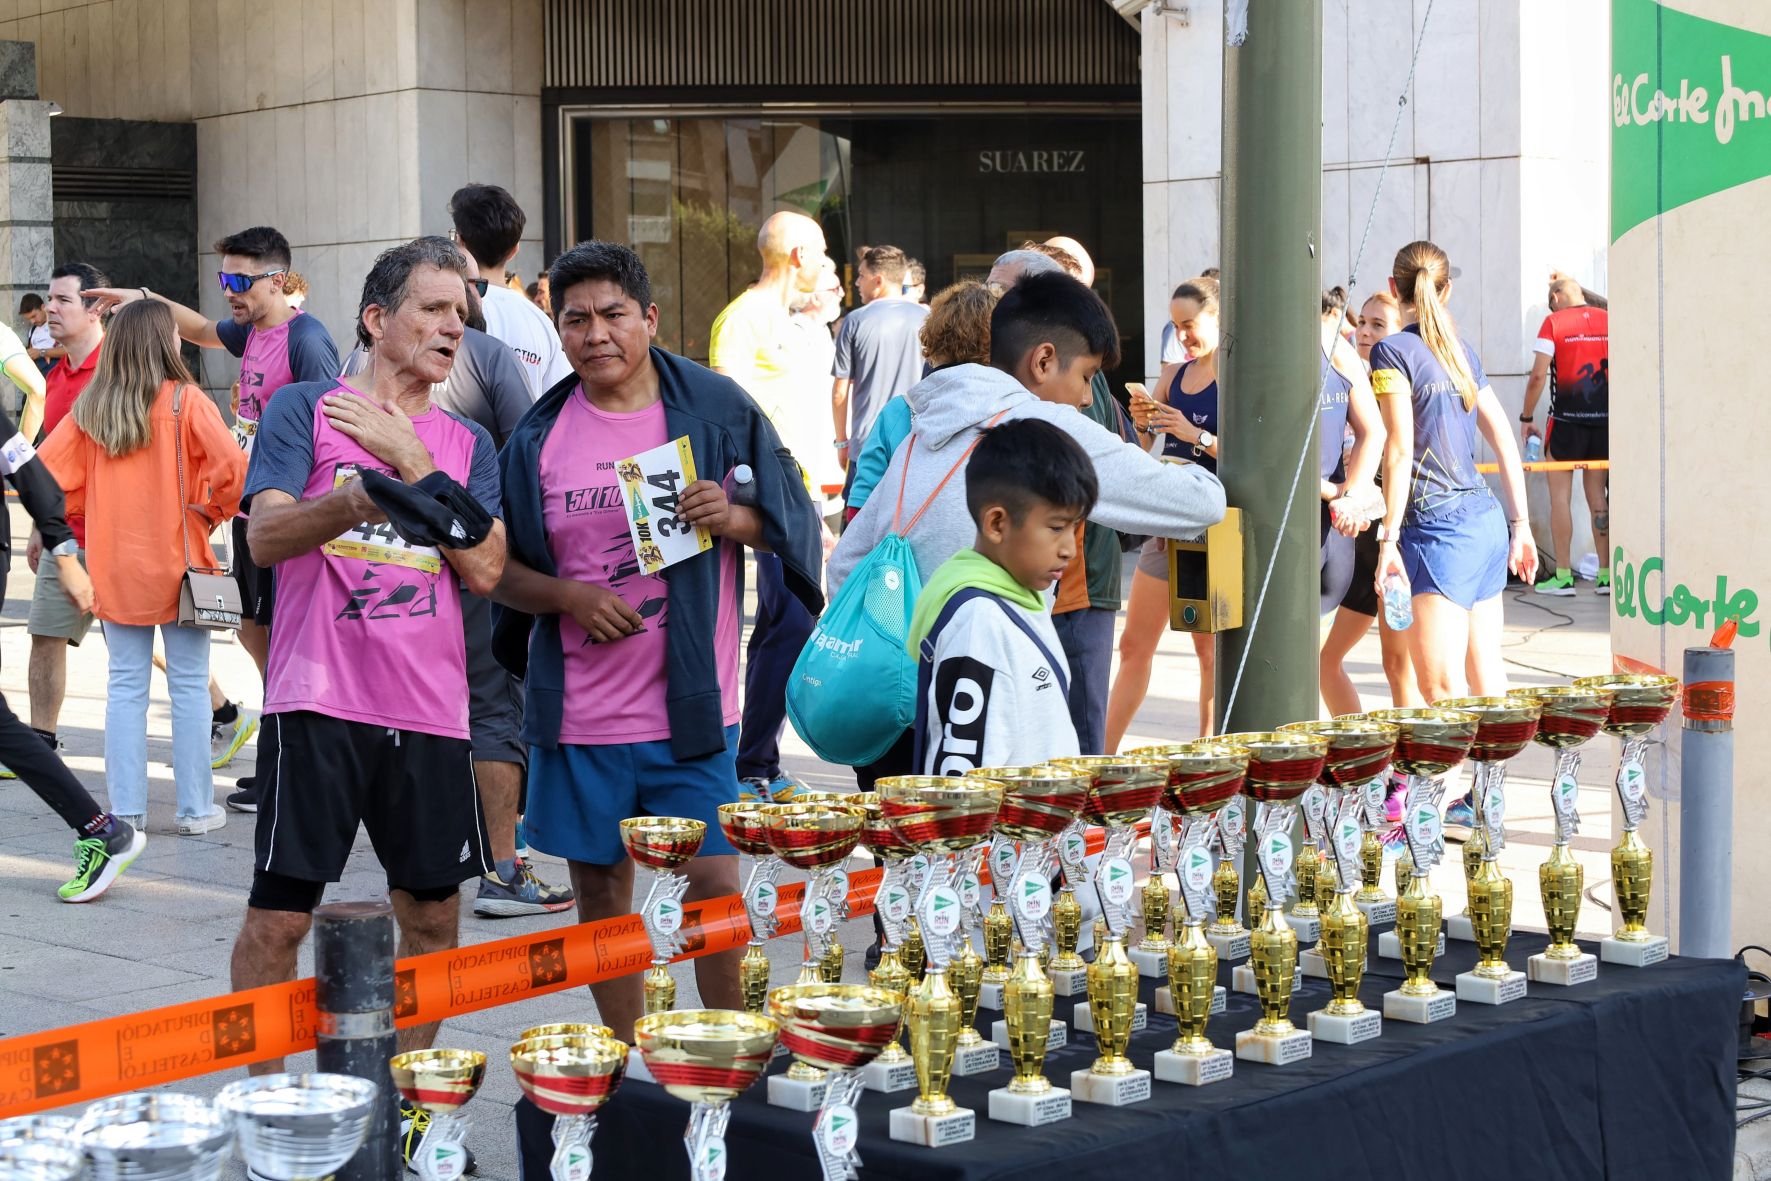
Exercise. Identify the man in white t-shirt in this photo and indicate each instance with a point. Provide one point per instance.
(489, 226)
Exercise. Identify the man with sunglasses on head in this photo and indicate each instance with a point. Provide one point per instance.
(277, 344)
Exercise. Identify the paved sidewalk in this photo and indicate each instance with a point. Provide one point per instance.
(164, 932)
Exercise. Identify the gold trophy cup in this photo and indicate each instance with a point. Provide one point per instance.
(745, 825)
(1068, 970)
(837, 1029)
(1226, 934)
(941, 818)
(440, 1082)
(664, 845)
(891, 1069)
(1639, 704)
(569, 1076)
(707, 1057)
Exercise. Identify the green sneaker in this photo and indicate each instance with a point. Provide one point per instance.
(1602, 584)
(1562, 585)
(96, 865)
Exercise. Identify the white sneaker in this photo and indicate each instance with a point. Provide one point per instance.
(225, 741)
(190, 826)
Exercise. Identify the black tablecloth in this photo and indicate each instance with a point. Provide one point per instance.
(1631, 1075)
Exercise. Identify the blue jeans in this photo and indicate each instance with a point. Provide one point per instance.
(1087, 636)
(783, 625)
(126, 717)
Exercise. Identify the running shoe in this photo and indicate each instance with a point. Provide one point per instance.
(1561, 584)
(528, 894)
(245, 799)
(1602, 584)
(413, 1125)
(191, 826)
(1460, 813)
(226, 739)
(98, 861)
(754, 791)
(784, 789)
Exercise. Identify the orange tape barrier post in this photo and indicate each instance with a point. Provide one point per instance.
(1706, 804)
(80, 1063)
(1554, 465)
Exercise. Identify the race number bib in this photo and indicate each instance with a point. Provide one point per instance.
(378, 543)
(651, 483)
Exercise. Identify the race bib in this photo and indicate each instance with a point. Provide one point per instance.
(378, 543)
(651, 483)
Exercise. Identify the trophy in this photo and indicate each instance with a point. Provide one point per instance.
(569, 1076)
(891, 1069)
(837, 1029)
(163, 1136)
(664, 845)
(42, 1160)
(1638, 705)
(1122, 791)
(972, 1054)
(1431, 742)
(1506, 727)
(939, 817)
(817, 838)
(746, 827)
(1151, 953)
(1039, 804)
(999, 926)
(298, 1127)
(1226, 934)
(1068, 970)
(707, 1057)
(439, 1083)
(1570, 717)
(1281, 767)
(1201, 777)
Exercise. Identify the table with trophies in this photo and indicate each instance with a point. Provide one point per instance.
(1297, 1047)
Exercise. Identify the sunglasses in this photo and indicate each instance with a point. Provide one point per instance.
(239, 284)
(479, 286)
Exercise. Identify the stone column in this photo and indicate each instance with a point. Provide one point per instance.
(27, 234)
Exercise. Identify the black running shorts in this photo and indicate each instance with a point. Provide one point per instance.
(1568, 441)
(254, 580)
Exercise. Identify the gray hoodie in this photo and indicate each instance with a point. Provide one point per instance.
(1139, 493)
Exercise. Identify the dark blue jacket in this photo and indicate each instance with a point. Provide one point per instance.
(725, 428)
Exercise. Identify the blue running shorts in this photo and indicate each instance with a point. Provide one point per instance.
(1461, 556)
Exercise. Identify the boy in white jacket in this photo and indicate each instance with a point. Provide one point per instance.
(992, 681)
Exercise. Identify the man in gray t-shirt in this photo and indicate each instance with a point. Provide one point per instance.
(878, 349)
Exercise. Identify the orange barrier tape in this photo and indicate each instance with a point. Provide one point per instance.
(1554, 465)
(1709, 701)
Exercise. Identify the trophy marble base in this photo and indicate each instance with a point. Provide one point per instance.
(1541, 969)
(981, 1057)
(1422, 1010)
(1165, 1001)
(1229, 947)
(1457, 926)
(933, 1131)
(1194, 1070)
(1242, 980)
(990, 997)
(1377, 913)
(1308, 927)
(1110, 1090)
(1390, 947)
(795, 1095)
(1150, 963)
(1030, 1111)
(1069, 981)
(1483, 990)
(636, 1067)
(1084, 1022)
(1057, 1039)
(1274, 1049)
(1630, 954)
(1346, 1031)
(1311, 964)
(886, 1077)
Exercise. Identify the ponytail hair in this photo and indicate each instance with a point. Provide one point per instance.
(1423, 275)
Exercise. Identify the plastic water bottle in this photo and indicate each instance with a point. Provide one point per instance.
(1534, 449)
(1398, 602)
(741, 486)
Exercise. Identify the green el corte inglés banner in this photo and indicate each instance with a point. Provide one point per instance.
(1690, 109)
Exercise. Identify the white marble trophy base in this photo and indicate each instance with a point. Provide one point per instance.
(1422, 1010)
(1485, 990)
(1069, 981)
(1194, 1070)
(636, 1067)
(1056, 1039)
(1458, 927)
(1165, 1001)
(1084, 1022)
(1630, 954)
(1030, 1111)
(1229, 947)
(1308, 927)
(1150, 963)
(1274, 1050)
(1110, 1090)
(990, 997)
(795, 1095)
(1346, 1031)
(980, 1057)
(1375, 913)
(933, 1131)
(1311, 964)
(1242, 980)
(1541, 969)
(886, 1077)
(1390, 947)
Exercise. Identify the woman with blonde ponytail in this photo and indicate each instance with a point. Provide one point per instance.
(1443, 529)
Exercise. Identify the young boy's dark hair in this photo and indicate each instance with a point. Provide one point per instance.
(1026, 460)
(1052, 308)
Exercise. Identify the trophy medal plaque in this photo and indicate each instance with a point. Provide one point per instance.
(817, 838)
(1226, 934)
(837, 1029)
(664, 845)
(1197, 779)
(1431, 742)
(1639, 704)
(1039, 804)
(939, 817)
(891, 1069)
(1151, 952)
(302, 1127)
(1306, 913)
(746, 827)
(569, 1076)
(440, 1082)
(1122, 791)
(163, 1136)
(999, 926)
(1571, 716)
(1068, 970)
(707, 1057)
(1377, 907)
(973, 1054)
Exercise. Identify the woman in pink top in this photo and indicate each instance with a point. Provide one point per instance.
(116, 457)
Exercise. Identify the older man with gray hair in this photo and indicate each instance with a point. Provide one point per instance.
(1013, 266)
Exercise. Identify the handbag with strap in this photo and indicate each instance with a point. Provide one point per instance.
(208, 596)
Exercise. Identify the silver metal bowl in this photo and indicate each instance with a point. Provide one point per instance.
(164, 1136)
(298, 1127)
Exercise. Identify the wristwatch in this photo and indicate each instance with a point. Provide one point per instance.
(1207, 439)
(66, 549)
(1383, 533)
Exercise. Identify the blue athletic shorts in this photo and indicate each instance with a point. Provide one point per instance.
(579, 795)
(1462, 555)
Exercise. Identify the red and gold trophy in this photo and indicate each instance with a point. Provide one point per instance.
(1639, 704)
(1151, 952)
(1226, 934)
(569, 1076)
(707, 1057)
(837, 1029)
(1571, 716)
(999, 925)
(746, 827)
(664, 846)
(1068, 970)
(974, 1054)
(891, 1069)
(440, 1083)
